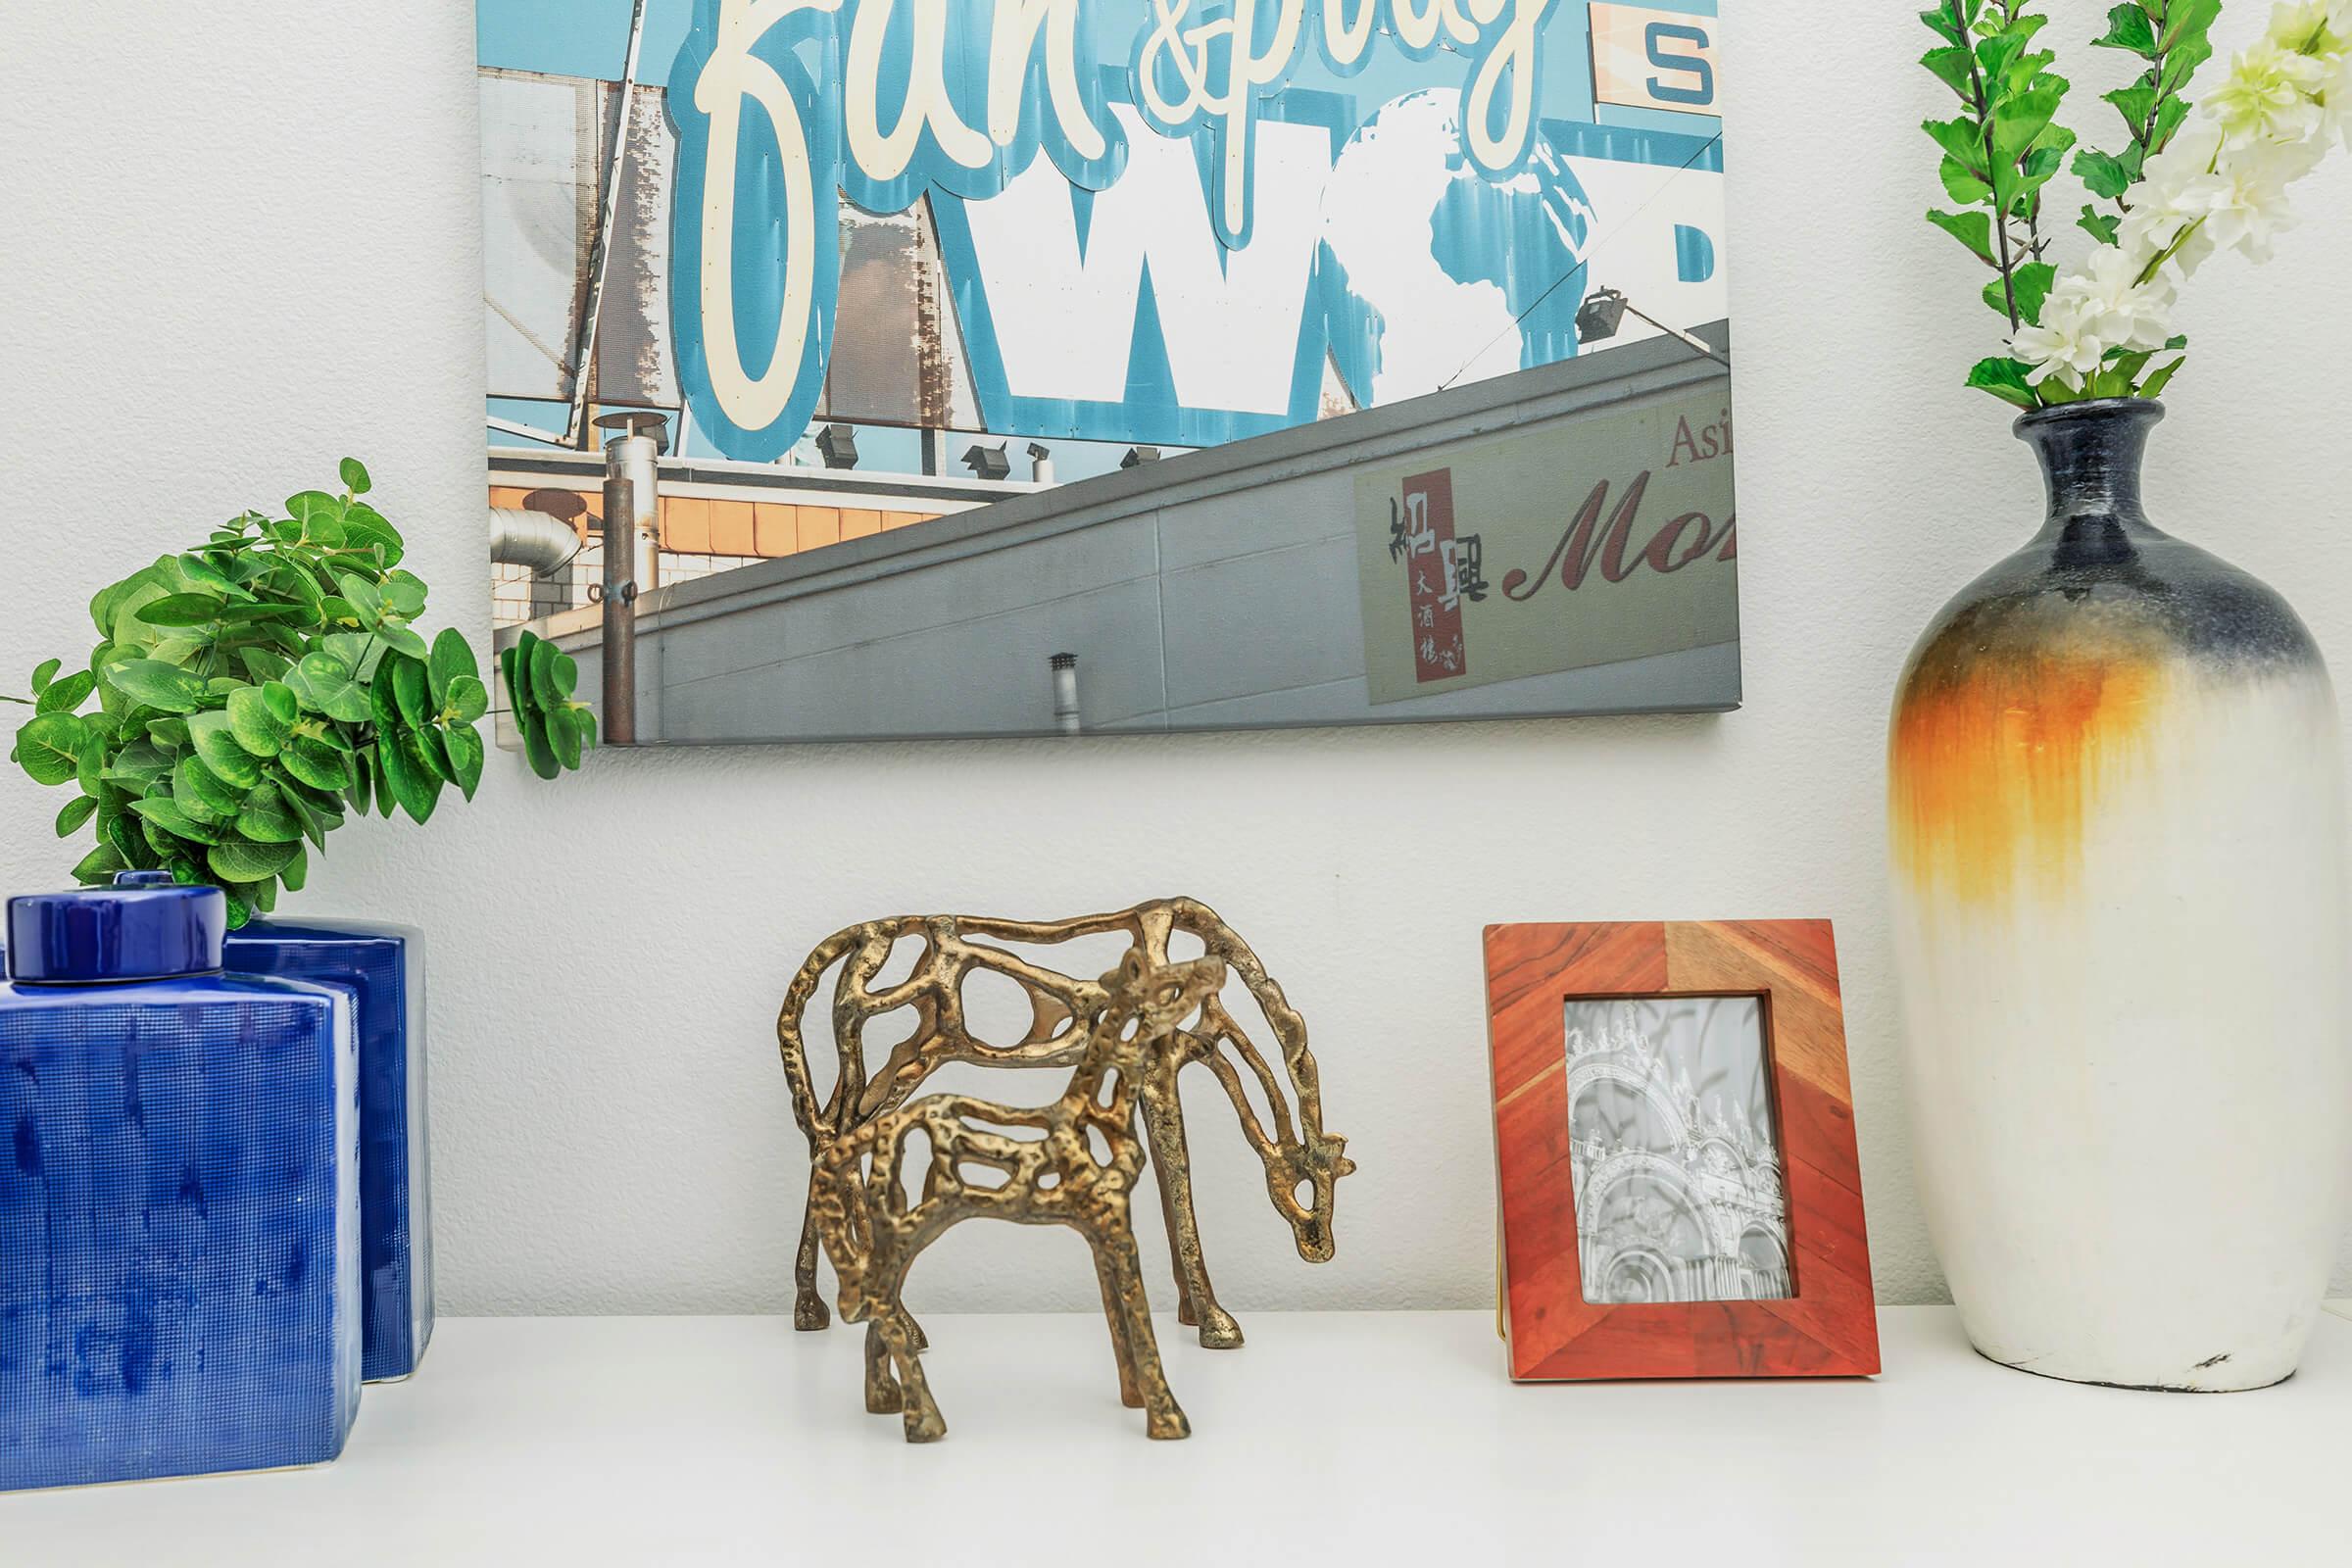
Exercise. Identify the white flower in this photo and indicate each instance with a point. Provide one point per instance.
(2176, 189)
(2192, 153)
(2246, 205)
(2336, 92)
(2235, 195)
(2066, 342)
(2268, 96)
(2221, 182)
(2089, 314)
(2114, 305)
(2294, 24)
(2280, 163)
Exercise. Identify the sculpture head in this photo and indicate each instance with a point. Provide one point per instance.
(1303, 1162)
(1317, 1166)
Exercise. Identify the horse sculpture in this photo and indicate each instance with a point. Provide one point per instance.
(1127, 1036)
(1301, 1161)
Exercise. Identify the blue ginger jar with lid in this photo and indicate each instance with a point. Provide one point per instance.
(179, 1199)
(384, 966)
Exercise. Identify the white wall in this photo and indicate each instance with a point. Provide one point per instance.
(241, 239)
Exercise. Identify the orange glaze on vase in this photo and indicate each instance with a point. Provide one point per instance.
(1997, 753)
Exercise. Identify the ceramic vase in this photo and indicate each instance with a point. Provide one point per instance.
(179, 1202)
(2116, 833)
(383, 967)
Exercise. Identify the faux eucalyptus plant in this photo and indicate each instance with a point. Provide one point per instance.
(2188, 179)
(256, 691)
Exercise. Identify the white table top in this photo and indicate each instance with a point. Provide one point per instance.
(1332, 1439)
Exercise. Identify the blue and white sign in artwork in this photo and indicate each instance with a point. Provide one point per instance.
(1166, 221)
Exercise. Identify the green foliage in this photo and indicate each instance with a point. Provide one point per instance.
(2171, 36)
(2005, 146)
(2004, 378)
(2030, 286)
(255, 692)
(1999, 152)
(539, 681)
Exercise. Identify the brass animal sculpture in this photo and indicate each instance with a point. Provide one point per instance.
(1127, 1035)
(1079, 1172)
(1301, 1161)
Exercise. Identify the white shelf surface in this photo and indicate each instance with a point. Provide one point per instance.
(1332, 1439)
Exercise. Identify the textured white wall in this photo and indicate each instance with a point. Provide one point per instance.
(242, 239)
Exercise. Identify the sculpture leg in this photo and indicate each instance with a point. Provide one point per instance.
(882, 1396)
(1196, 1299)
(1123, 1275)
(1123, 1353)
(807, 1307)
(924, 1421)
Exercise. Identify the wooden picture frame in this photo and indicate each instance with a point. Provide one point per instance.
(1828, 1326)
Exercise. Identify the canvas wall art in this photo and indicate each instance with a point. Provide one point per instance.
(1027, 366)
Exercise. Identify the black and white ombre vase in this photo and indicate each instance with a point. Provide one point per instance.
(2116, 831)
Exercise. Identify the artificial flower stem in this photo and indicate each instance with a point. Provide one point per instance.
(2000, 215)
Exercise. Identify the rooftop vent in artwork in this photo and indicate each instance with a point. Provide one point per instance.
(624, 423)
(1137, 456)
(988, 463)
(1041, 462)
(837, 444)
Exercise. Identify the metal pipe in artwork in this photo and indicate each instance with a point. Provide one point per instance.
(634, 448)
(621, 611)
(1692, 338)
(583, 346)
(521, 537)
(1065, 695)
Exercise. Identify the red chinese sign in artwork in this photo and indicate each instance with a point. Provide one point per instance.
(1441, 571)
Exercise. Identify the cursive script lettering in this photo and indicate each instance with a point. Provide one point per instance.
(1201, 69)
(923, 103)
(734, 77)
(1347, 32)
(1022, 28)
(882, 99)
(1510, 58)
(1587, 543)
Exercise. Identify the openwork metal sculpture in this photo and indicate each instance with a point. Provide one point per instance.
(1127, 1036)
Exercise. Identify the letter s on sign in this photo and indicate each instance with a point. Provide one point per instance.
(1697, 89)
(1645, 58)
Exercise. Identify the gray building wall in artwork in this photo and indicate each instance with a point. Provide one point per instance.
(1219, 589)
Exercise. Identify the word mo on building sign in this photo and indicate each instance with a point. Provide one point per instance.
(1182, 220)
(1610, 537)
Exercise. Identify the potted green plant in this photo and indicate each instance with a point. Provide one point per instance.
(254, 693)
(2113, 770)
(245, 698)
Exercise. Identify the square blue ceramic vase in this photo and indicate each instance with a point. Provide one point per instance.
(384, 968)
(180, 1200)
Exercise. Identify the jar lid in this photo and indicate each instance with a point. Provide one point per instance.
(145, 928)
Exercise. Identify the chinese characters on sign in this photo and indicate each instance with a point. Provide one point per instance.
(1441, 571)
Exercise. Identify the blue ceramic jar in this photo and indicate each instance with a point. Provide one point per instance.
(384, 968)
(179, 1198)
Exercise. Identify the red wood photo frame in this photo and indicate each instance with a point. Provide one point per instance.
(1829, 1328)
